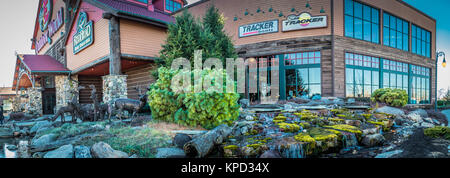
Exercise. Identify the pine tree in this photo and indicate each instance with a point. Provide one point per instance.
(182, 40)
(447, 96)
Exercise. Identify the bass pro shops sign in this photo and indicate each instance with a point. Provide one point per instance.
(304, 21)
(258, 28)
(85, 35)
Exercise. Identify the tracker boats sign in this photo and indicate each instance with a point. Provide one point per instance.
(304, 21)
(258, 28)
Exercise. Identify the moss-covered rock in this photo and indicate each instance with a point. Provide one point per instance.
(438, 132)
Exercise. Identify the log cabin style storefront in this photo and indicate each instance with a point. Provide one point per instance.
(339, 48)
(111, 44)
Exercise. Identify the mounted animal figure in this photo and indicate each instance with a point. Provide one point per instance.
(73, 108)
(130, 105)
(100, 110)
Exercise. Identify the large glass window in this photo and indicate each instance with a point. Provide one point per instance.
(303, 74)
(362, 75)
(172, 5)
(420, 85)
(362, 21)
(264, 63)
(395, 74)
(421, 41)
(395, 32)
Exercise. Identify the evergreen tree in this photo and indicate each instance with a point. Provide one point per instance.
(447, 96)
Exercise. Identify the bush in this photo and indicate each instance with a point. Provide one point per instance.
(392, 97)
(438, 132)
(206, 108)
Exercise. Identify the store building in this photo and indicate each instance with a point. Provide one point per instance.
(341, 48)
(111, 44)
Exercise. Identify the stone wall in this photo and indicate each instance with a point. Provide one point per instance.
(64, 90)
(114, 86)
(33, 105)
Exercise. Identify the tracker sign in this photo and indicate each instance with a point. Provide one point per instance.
(304, 21)
(258, 28)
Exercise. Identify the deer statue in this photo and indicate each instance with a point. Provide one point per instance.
(73, 107)
(100, 110)
(130, 105)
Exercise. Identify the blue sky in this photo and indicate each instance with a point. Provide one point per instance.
(439, 10)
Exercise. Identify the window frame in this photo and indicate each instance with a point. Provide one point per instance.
(387, 30)
(372, 22)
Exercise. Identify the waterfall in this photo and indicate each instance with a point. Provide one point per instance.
(293, 151)
(349, 141)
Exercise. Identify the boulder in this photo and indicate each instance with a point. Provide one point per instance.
(245, 103)
(181, 139)
(38, 155)
(65, 151)
(103, 150)
(415, 117)
(389, 154)
(43, 140)
(6, 132)
(170, 153)
(82, 152)
(316, 97)
(22, 150)
(427, 119)
(368, 131)
(40, 125)
(271, 154)
(426, 125)
(390, 110)
(355, 123)
(422, 113)
(373, 140)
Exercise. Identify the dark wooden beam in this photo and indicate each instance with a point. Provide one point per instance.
(114, 42)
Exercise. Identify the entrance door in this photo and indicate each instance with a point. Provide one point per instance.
(48, 101)
(49, 95)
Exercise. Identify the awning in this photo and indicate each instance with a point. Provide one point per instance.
(28, 66)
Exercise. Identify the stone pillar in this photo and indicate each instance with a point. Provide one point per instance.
(34, 101)
(114, 86)
(64, 88)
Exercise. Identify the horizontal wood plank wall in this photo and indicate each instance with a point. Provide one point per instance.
(96, 51)
(142, 76)
(141, 39)
(237, 8)
(85, 94)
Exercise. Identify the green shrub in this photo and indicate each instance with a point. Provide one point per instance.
(392, 97)
(438, 132)
(206, 108)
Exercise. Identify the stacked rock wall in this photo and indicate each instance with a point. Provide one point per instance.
(114, 86)
(65, 90)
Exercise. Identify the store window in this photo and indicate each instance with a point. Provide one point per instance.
(362, 22)
(261, 64)
(362, 75)
(395, 32)
(172, 5)
(395, 75)
(303, 74)
(420, 85)
(421, 41)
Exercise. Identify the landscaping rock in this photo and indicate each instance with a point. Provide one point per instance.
(245, 103)
(82, 152)
(355, 123)
(271, 154)
(22, 150)
(429, 120)
(390, 110)
(389, 154)
(134, 156)
(6, 133)
(371, 131)
(39, 125)
(426, 125)
(65, 151)
(415, 117)
(181, 139)
(373, 140)
(103, 150)
(38, 155)
(422, 113)
(43, 140)
(170, 153)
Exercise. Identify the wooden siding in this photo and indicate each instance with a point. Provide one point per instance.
(141, 39)
(142, 76)
(85, 94)
(237, 8)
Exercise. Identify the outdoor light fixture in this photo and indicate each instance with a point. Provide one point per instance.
(444, 63)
